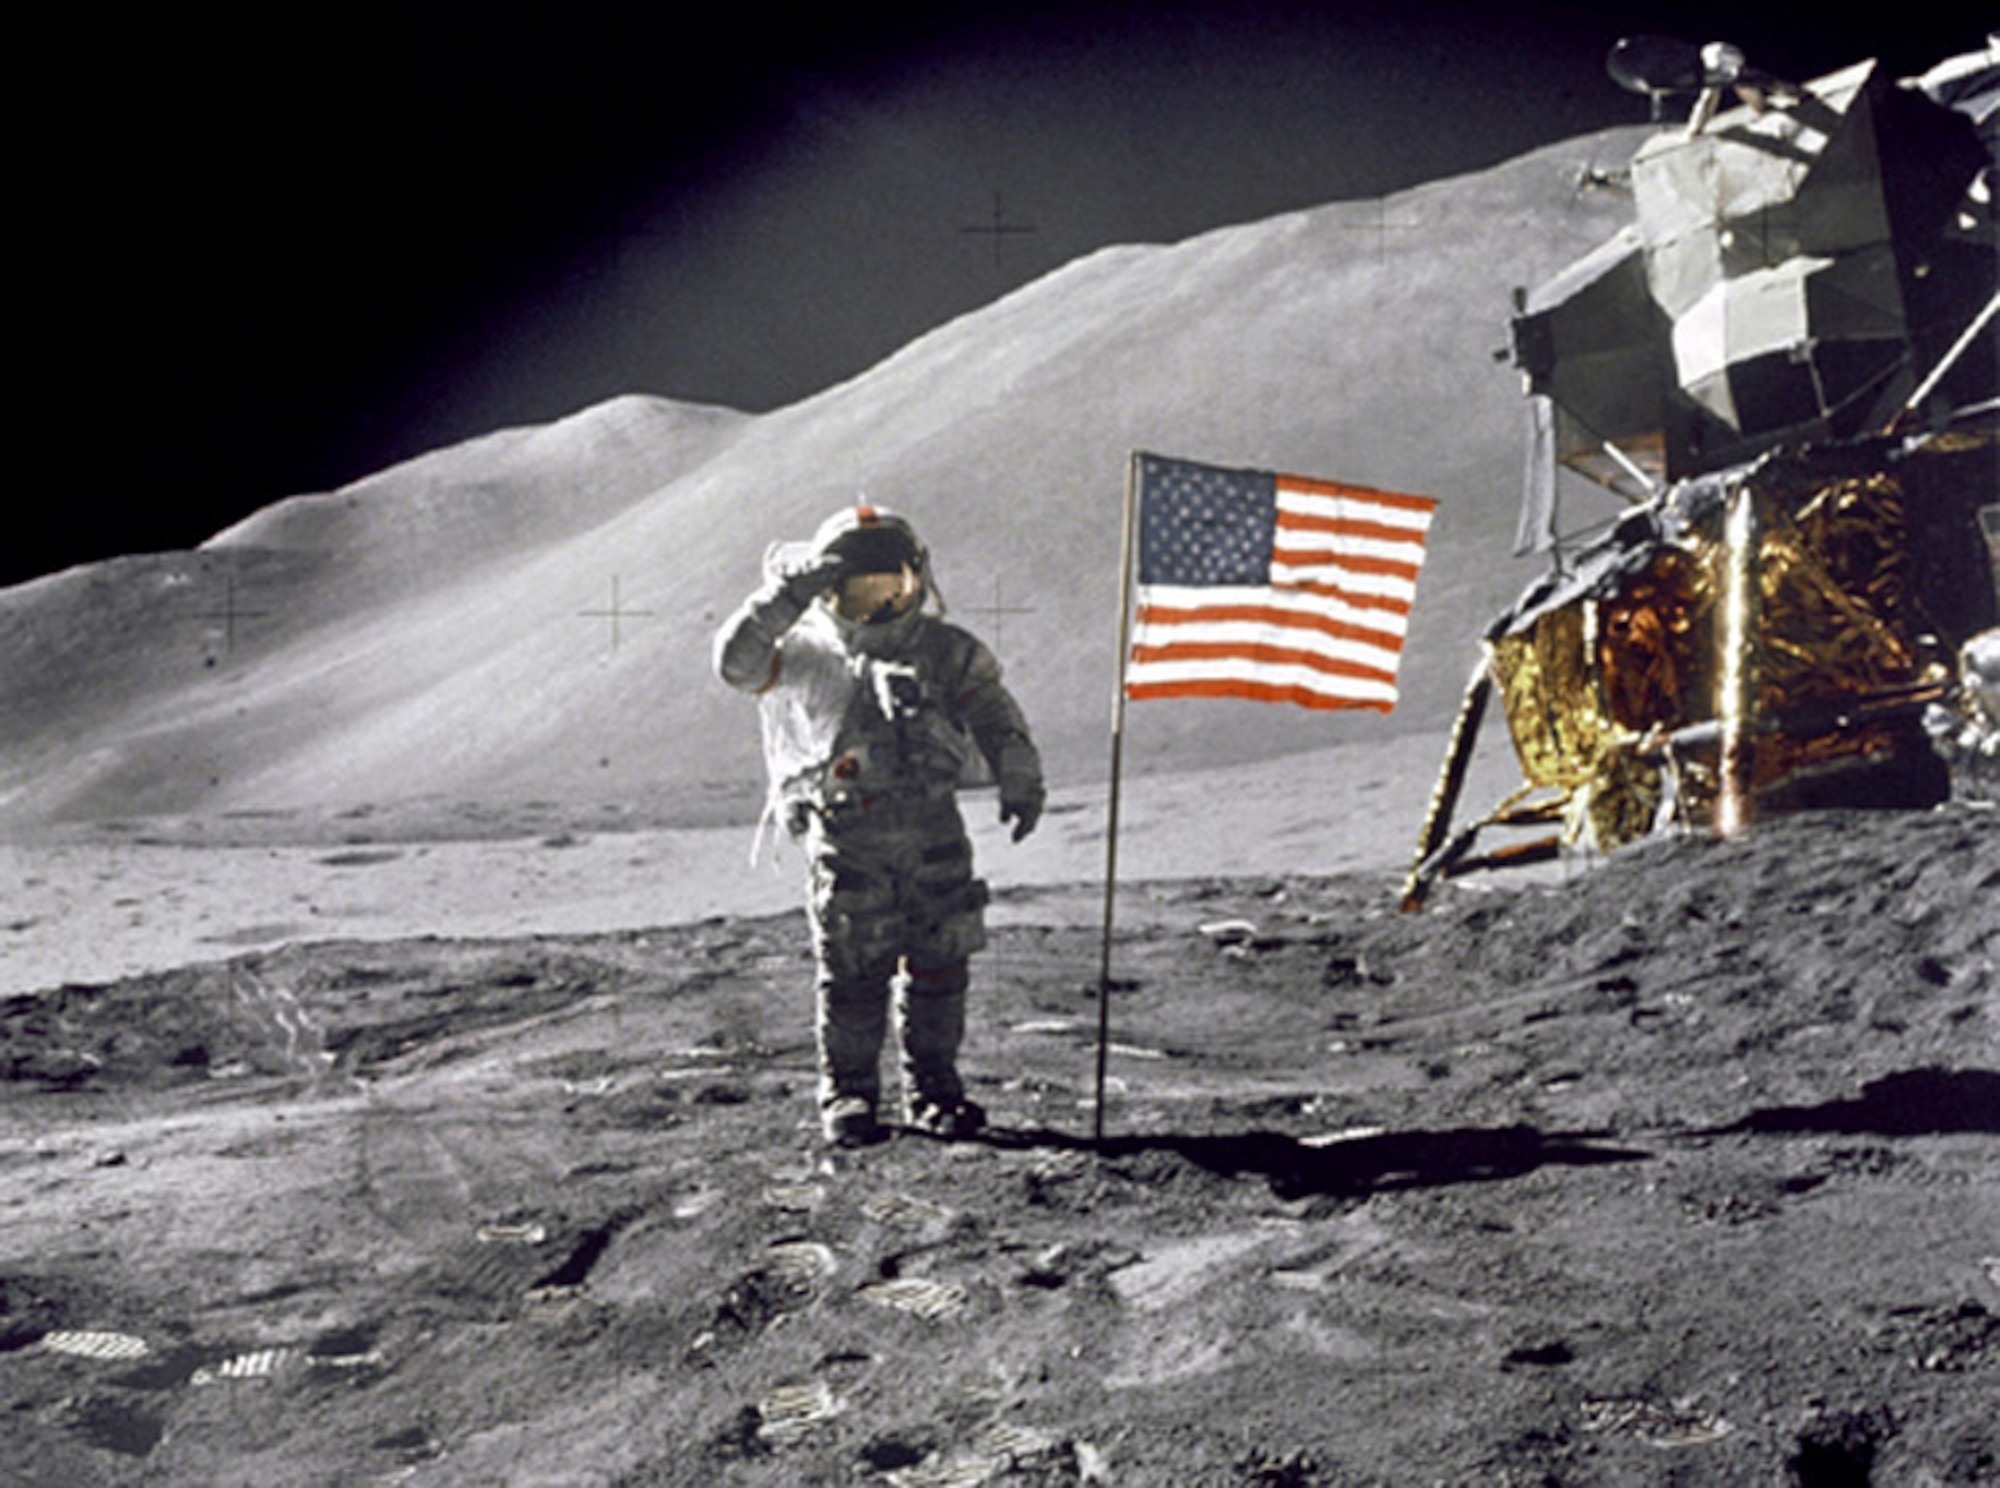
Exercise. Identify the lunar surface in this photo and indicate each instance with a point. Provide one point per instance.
(1681, 1167)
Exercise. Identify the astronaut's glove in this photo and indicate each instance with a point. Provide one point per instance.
(1021, 804)
(806, 579)
(899, 691)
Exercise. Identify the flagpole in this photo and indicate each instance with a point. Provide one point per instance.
(1126, 544)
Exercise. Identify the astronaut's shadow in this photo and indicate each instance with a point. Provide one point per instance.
(1354, 1166)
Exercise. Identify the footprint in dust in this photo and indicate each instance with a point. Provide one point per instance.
(792, 1410)
(920, 1296)
(512, 1262)
(905, 1212)
(795, 1191)
(791, 1276)
(121, 1415)
(96, 1344)
(998, 1448)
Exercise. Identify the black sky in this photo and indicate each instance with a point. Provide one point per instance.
(270, 257)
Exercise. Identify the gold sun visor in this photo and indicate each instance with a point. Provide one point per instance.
(873, 598)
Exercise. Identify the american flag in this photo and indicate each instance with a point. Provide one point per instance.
(1272, 587)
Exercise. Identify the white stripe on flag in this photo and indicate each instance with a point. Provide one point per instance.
(1309, 500)
(1241, 636)
(1303, 607)
(1335, 574)
(1222, 678)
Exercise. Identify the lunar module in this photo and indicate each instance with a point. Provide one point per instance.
(1786, 367)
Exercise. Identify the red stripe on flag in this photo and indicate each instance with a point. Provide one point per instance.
(1386, 568)
(1257, 692)
(1392, 604)
(1349, 527)
(1388, 604)
(1259, 655)
(1340, 630)
(1395, 499)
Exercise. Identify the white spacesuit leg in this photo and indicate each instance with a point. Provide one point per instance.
(944, 907)
(857, 933)
(930, 1025)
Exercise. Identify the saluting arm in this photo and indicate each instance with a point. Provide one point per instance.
(746, 647)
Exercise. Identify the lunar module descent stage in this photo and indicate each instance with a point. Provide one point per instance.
(1786, 365)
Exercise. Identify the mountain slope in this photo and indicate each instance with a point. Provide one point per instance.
(442, 629)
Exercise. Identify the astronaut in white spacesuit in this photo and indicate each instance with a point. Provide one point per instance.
(874, 713)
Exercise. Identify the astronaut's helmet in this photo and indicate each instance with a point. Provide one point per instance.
(887, 567)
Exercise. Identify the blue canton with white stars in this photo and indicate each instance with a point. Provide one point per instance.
(1201, 525)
